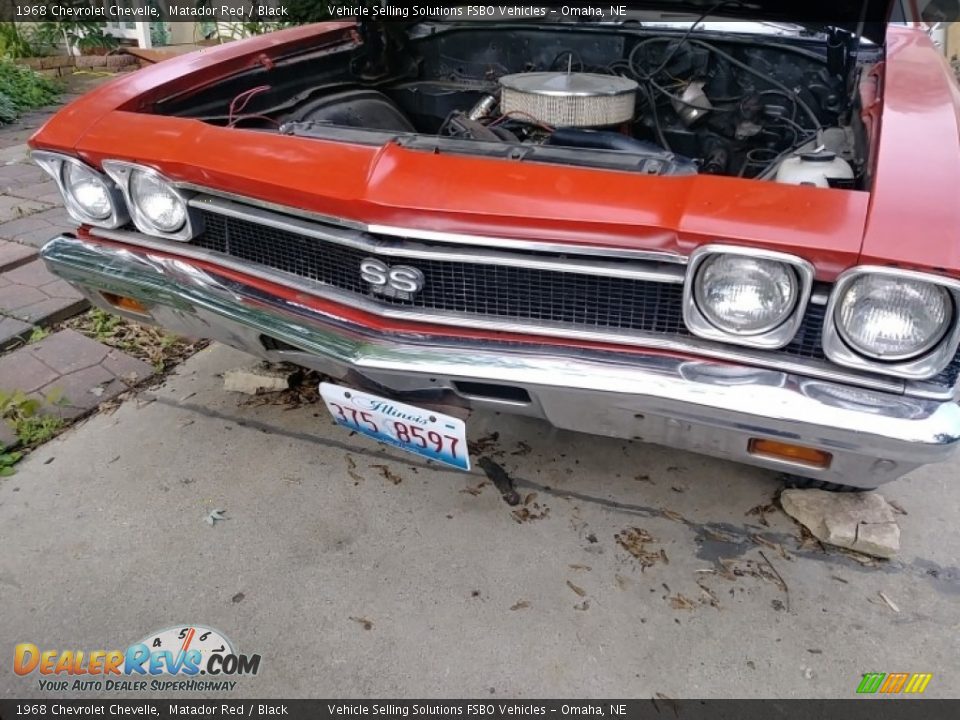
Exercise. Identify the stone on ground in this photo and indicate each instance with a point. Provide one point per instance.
(259, 378)
(863, 522)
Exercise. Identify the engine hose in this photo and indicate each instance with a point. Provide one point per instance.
(731, 59)
(607, 140)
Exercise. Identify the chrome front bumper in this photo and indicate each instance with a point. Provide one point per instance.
(703, 406)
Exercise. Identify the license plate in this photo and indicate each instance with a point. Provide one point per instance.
(423, 432)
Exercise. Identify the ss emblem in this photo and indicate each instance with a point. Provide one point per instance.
(399, 281)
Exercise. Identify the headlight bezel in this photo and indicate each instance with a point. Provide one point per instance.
(922, 367)
(55, 164)
(122, 173)
(771, 339)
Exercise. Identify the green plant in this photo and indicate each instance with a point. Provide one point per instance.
(21, 89)
(22, 413)
(8, 111)
(37, 334)
(7, 461)
(298, 13)
(84, 35)
(102, 323)
(17, 405)
(159, 32)
(13, 42)
(226, 31)
(38, 429)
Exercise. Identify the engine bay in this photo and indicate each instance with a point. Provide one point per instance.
(661, 103)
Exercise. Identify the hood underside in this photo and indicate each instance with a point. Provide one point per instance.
(869, 17)
(866, 17)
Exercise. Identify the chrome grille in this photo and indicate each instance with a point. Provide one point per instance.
(470, 288)
(499, 292)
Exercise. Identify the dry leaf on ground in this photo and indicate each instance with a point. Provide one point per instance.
(680, 602)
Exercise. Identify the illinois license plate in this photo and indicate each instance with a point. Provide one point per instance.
(417, 430)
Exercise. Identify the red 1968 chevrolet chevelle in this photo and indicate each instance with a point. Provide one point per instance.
(734, 235)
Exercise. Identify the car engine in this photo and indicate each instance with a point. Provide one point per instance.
(662, 104)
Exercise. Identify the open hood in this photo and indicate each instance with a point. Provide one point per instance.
(868, 17)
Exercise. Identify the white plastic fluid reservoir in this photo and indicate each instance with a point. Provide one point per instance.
(816, 167)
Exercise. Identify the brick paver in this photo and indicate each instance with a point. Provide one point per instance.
(13, 331)
(14, 153)
(14, 255)
(32, 294)
(37, 229)
(31, 209)
(17, 134)
(81, 371)
(19, 174)
(13, 207)
(45, 192)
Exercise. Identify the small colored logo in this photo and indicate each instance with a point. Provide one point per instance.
(170, 659)
(894, 683)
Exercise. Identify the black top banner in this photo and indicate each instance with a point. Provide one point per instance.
(846, 13)
(660, 708)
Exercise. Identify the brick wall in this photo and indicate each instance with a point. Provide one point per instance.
(953, 39)
(62, 65)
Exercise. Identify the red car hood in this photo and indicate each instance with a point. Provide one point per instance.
(910, 217)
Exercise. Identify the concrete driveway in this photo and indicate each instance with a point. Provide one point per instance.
(355, 571)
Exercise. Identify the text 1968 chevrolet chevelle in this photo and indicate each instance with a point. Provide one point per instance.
(735, 235)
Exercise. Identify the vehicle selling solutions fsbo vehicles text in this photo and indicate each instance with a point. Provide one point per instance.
(473, 709)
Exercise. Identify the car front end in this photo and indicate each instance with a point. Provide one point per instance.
(794, 309)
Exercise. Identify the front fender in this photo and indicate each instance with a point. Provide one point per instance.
(914, 215)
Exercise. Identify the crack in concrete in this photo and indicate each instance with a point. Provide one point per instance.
(708, 535)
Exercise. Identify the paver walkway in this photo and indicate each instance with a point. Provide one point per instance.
(79, 370)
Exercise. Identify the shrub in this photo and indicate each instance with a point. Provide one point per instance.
(8, 111)
(21, 89)
(87, 36)
(22, 413)
(13, 42)
(7, 461)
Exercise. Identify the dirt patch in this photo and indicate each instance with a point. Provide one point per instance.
(163, 350)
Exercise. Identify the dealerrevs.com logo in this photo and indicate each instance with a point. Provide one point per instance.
(183, 657)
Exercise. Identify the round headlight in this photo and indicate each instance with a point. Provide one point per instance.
(157, 202)
(745, 296)
(889, 318)
(87, 191)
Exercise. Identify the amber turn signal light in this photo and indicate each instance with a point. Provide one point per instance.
(127, 304)
(790, 453)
